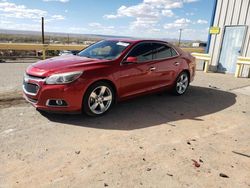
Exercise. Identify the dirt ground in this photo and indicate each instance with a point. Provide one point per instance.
(153, 141)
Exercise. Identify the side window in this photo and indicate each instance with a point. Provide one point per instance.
(143, 52)
(174, 53)
(162, 51)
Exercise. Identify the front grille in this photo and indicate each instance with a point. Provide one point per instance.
(31, 84)
(30, 88)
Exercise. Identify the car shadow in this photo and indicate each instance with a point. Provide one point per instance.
(154, 110)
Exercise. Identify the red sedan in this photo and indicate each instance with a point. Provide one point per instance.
(106, 72)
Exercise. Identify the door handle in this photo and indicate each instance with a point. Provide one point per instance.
(152, 69)
(176, 63)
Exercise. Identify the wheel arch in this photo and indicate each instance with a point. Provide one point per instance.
(188, 72)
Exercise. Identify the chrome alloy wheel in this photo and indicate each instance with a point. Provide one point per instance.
(100, 100)
(182, 83)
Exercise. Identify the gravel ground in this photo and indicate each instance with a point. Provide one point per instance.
(11, 75)
(200, 139)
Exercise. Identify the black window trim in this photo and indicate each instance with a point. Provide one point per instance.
(151, 42)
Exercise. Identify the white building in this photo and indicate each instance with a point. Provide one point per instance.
(198, 44)
(231, 19)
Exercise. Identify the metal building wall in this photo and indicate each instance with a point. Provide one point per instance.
(229, 12)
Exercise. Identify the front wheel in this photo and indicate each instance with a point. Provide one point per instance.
(98, 99)
(181, 84)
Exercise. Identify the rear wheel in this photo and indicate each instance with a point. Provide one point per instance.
(181, 84)
(98, 99)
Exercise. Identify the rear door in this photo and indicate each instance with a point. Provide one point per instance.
(167, 64)
(137, 77)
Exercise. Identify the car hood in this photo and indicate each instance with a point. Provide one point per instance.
(59, 64)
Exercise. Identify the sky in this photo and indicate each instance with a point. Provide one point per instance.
(135, 18)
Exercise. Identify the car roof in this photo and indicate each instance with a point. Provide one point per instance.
(134, 40)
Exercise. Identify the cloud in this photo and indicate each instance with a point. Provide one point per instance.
(77, 29)
(188, 34)
(13, 25)
(166, 4)
(143, 23)
(148, 8)
(12, 10)
(182, 21)
(93, 28)
(178, 24)
(3, 22)
(61, 1)
(140, 10)
(52, 18)
(167, 13)
(100, 26)
(146, 14)
(190, 1)
(96, 27)
(58, 17)
(149, 13)
(191, 34)
(146, 19)
(200, 21)
(189, 13)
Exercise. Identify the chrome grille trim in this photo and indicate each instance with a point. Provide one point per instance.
(28, 93)
(33, 101)
(32, 80)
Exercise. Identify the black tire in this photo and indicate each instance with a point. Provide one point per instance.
(88, 100)
(176, 88)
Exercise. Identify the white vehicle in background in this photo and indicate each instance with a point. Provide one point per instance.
(68, 52)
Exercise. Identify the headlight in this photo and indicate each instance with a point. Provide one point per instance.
(63, 78)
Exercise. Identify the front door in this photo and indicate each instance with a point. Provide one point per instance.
(137, 77)
(231, 48)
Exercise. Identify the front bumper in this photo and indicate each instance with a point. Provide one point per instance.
(71, 93)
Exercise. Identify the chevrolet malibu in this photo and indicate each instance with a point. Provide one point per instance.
(106, 72)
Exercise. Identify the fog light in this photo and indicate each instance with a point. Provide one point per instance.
(59, 102)
(56, 103)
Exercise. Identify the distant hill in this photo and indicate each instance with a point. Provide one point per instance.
(94, 36)
(20, 32)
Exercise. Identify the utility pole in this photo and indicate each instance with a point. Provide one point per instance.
(180, 38)
(43, 30)
(44, 51)
(68, 38)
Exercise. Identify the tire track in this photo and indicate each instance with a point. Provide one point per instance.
(10, 99)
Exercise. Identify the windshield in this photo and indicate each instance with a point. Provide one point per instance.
(105, 50)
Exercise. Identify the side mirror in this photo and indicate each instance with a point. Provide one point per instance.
(131, 60)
